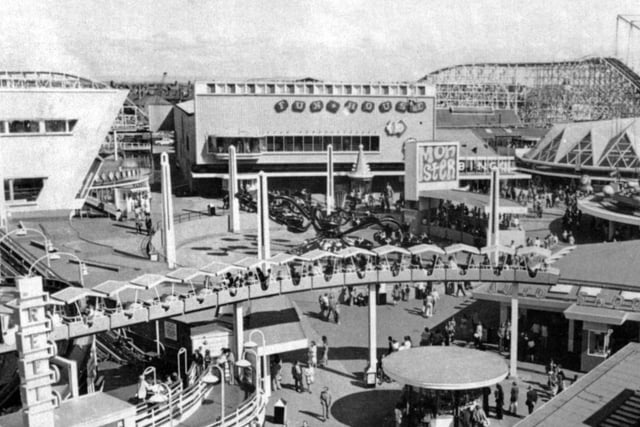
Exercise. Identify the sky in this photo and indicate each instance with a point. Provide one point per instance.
(346, 40)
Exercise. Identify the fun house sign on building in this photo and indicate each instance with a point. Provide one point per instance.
(430, 166)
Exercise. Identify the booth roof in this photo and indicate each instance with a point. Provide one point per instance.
(597, 395)
(478, 200)
(614, 263)
(458, 368)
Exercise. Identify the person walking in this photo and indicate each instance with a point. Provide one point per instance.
(532, 399)
(296, 373)
(325, 351)
(313, 354)
(276, 373)
(325, 401)
(309, 377)
(499, 396)
(513, 399)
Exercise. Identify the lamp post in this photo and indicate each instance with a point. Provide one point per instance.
(258, 370)
(46, 241)
(81, 266)
(266, 386)
(211, 378)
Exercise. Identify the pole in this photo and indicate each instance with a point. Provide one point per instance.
(167, 212)
(158, 338)
(513, 356)
(373, 356)
(494, 220)
(264, 240)
(234, 204)
(330, 195)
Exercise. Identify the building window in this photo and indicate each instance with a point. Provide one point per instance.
(366, 90)
(55, 126)
(24, 126)
(290, 89)
(385, 90)
(297, 143)
(348, 90)
(329, 90)
(288, 143)
(403, 90)
(310, 90)
(23, 189)
(599, 343)
(271, 89)
(307, 143)
(422, 90)
(251, 88)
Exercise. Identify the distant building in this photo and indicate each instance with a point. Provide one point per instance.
(284, 127)
(51, 128)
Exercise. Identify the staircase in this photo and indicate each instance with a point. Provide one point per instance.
(625, 415)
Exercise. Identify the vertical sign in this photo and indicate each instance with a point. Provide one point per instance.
(430, 166)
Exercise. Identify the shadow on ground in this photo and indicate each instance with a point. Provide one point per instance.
(367, 408)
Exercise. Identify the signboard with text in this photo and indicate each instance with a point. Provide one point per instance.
(430, 166)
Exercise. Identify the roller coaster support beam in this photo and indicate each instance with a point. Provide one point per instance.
(373, 347)
(330, 186)
(513, 357)
(232, 187)
(168, 231)
(264, 238)
(238, 330)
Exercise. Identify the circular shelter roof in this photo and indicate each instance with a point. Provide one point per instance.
(445, 368)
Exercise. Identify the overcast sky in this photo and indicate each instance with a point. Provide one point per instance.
(332, 40)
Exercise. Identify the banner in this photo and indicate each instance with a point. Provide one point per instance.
(438, 163)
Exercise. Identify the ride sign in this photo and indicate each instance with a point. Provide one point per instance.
(438, 163)
(430, 166)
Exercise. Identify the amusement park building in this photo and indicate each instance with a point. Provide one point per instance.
(599, 149)
(284, 127)
(542, 92)
(51, 128)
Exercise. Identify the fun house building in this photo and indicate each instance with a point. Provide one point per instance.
(284, 128)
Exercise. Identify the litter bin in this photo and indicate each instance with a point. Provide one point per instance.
(212, 210)
(280, 412)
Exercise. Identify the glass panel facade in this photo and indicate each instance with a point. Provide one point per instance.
(307, 143)
(24, 126)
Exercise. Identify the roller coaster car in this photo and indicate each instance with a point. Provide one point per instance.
(246, 202)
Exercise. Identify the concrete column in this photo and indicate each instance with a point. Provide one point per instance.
(513, 357)
(330, 185)
(264, 239)
(494, 220)
(571, 333)
(373, 347)
(238, 328)
(168, 231)
(234, 204)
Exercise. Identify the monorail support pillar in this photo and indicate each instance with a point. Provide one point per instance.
(330, 184)
(264, 239)
(238, 330)
(493, 239)
(168, 231)
(232, 187)
(373, 347)
(513, 356)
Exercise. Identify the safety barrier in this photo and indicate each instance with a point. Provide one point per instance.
(253, 409)
(182, 403)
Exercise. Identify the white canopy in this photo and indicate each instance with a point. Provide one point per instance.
(218, 268)
(461, 247)
(422, 248)
(535, 250)
(317, 254)
(388, 249)
(184, 274)
(149, 280)
(72, 294)
(251, 262)
(283, 258)
(353, 251)
(500, 248)
(113, 287)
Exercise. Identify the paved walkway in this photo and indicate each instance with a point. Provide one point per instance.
(355, 405)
